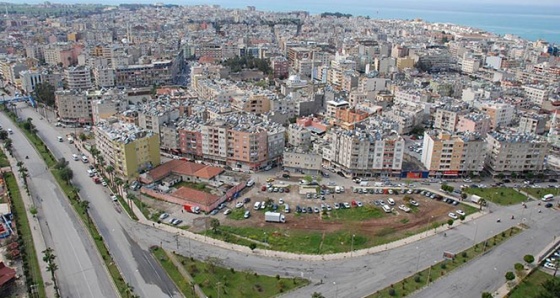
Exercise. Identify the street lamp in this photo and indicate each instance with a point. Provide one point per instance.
(336, 292)
(475, 231)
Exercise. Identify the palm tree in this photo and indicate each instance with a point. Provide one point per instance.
(19, 164)
(85, 206)
(118, 181)
(95, 153)
(110, 169)
(49, 257)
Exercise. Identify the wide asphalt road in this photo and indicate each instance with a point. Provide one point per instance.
(80, 269)
(138, 267)
(353, 277)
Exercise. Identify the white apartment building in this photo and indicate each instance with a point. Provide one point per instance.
(73, 107)
(537, 95)
(308, 163)
(364, 153)
(532, 124)
(299, 136)
(104, 77)
(501, 114)
(446, 118)
(78, 78)
(515, 153)
(470, 65)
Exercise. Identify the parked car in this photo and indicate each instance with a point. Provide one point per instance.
(281, 201)
(221, 206)
(309, 210)
(214, 212)
(163, 216)
(452, 215)
(346, 205)
(404, 208)
(414, 203)
(548, 205)
(316, 210)
(460, 212)
(239, 205)
(177, 222)
(247, 200)
(227, 211)
(247, 214)
(114, 198)
(359, 204)
(391, 201)
(549, 265)
(336, 206)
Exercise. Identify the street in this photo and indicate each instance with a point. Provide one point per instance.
(81, 272)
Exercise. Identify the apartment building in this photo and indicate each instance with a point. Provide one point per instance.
(532, 123)
(501, 114)
(245, 143)
(73, 107)
(128, 148)
(78, 78)
(475, 123)
(446, 118)
(304, 162)
(509, 153)
(157, 72)
(251, 103)
(298, 136)
(537, 95)
(447, 154)
(364, 153)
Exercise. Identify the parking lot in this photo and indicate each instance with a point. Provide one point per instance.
(364, 212)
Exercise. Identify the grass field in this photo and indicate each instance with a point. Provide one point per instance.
(531, 285)
(538, 193)
(211, 278)
(3, 160)
(499, 195)
(418, 280)
(20, 214)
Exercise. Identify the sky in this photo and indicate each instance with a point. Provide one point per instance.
(303, 2)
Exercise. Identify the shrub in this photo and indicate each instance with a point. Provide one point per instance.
(392, 292)
(417, 278)
(518, 266)
(510, 276)
(529, 259)
(464, 254)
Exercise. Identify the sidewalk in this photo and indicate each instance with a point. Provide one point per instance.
(36, 232)
(294, 256)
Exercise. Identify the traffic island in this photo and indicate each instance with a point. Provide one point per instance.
(422, 279)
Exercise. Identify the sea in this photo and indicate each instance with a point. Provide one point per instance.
(540, 20)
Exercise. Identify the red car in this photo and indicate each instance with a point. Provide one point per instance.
(263, 188)
(354, 204)
(286, 189)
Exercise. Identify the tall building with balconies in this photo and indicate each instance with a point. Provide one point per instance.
(448, 154)
(128, 148)
(518, 153)
(78, 78)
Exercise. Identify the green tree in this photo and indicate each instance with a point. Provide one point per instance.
(308, 178)
(252, 246)
(450, 222)
(3, 134)
(486, 295)
(33, 211)
(529, 259)
(215, 224)
(66, 174)
(44, 93)
(82, 137)
(317, 295)
(510, 276)
(61, 164)
(49, 257)
(129, 290)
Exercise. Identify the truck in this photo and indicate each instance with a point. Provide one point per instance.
(191, 208)
(274, 217)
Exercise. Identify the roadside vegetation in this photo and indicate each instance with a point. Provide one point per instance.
(63, 176)
(31, 269)
(538, 193)
(423, 278)
(215, 280)
(537, 284)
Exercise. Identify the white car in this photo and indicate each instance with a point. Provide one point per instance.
(239, 205)
(549, 265)
(227, 211)
(391, 201)
(281, 201)
(113, 198)
(414, 203)
(346, 205)
(452, 215)
(359, 203)
(460, 212)
(104, 183)
(163, 216)
(404, 208)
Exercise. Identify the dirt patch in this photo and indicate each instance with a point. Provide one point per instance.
(429, 212)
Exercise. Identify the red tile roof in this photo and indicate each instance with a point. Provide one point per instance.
(6, 274)
(195, 196)
(184, 168)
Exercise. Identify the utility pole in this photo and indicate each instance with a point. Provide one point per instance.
(177, 239)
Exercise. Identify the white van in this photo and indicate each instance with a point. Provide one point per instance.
(287, 208)
(60, 139)
(84, 159)
(548, 197)
(257, 205)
